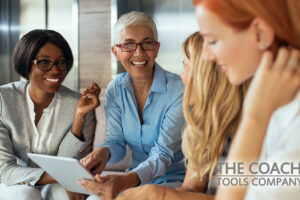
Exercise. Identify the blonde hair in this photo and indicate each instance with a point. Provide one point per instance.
(214, 114)
(282, 15)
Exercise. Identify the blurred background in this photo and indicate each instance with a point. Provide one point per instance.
(87, 25)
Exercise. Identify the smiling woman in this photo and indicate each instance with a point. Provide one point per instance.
(143, 110)
(48, 120)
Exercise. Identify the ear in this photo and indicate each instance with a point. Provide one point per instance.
(114, 51)
(157, 49)
(264, 33)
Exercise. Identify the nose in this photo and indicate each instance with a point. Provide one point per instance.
(139, 50)
(54, 68)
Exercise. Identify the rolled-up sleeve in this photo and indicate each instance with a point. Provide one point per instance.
(167, 145)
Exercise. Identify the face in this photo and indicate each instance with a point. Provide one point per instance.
(139, 63)
(185, 73)
(47, 81)
(236, 52)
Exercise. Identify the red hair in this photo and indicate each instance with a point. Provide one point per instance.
(282, 15)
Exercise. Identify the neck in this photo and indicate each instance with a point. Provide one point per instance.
(40, 99)
(142, 86)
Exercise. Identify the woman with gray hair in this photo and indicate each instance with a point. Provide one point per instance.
(144, 111)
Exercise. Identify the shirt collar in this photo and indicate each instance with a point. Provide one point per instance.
(31, 104)
(159, 83)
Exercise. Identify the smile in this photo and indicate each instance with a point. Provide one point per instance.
(139, 63)
(52, 80)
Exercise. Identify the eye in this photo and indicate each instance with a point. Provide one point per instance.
(62, 62)
(211, 42)
(44, 62)
(128, 44)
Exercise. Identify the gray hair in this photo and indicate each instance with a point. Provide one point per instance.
(134, 18)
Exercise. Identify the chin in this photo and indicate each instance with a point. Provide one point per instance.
(52, 90)
(235, 80)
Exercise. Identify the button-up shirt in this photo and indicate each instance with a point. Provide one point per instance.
(42, 132)
(155, 144)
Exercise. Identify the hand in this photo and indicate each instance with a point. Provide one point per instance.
(89, 100)
(96, 161)
(107, 187)
(76, 196)
(275, 84)
(145, 192)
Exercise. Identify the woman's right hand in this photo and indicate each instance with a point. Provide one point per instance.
(96, 161)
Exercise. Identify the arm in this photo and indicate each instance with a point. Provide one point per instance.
(113, 148)
(168, 143)
(115, 140)
(192, 183)
(80, 137)
(192, 189)
(260, 103)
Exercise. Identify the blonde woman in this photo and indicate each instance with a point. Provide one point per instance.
(212, 109)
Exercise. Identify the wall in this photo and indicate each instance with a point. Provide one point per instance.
(94, 43)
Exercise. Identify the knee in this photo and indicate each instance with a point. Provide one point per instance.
(26, 193)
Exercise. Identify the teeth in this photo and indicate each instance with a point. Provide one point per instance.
(139, 63)
(53, 80)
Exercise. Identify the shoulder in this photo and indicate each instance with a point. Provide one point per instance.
(68, 94)
(116, 83)
(174, 84)
(12, 94)
(14, 87)
(14, 90)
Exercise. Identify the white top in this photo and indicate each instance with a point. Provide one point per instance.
(41, 134)
(281, 144)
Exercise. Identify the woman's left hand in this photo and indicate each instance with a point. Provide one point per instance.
(107, 187)
(89, 100)
(145, 192)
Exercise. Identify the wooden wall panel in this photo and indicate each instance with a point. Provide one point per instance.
(94, 43)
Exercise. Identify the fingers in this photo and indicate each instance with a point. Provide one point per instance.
(90, 185)
(281, 59)
(99, 168)
(287, 59)
(293, 62)
(101, 179)
(266, 61)
(92, 89)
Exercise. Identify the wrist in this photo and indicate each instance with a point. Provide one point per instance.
(131, 179)
(106, 153)
(259, 116)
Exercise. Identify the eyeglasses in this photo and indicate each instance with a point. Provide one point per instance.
(131, 46)
(46, 65)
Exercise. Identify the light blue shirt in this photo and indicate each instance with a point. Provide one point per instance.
(155, 144)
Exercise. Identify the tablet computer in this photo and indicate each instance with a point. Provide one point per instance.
(66, 171)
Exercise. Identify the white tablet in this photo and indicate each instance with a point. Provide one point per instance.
(66, 171)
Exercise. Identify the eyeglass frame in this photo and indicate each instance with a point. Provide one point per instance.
(51, 65)
(136, 45)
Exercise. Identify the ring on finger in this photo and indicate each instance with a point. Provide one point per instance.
(99, 192)
(293, 63)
